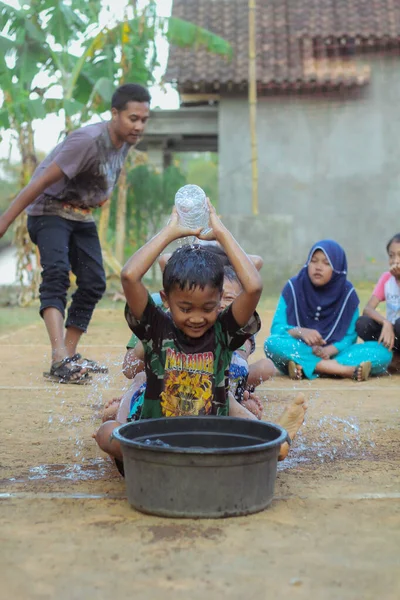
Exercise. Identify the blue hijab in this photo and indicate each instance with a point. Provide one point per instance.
(329, 308)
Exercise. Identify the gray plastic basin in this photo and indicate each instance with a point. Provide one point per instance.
(212, 466)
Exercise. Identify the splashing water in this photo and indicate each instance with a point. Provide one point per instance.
(158, 443)
(89, 470)
(336, 438)
(63, 413)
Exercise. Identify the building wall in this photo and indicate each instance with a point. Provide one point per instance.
(329, 165)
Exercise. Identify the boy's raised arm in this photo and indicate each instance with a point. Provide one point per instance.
(245, 304)
(137, 266)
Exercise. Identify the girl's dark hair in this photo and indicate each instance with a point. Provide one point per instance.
(231, 275)
(193, 266)
(395, 238)
(129, 92)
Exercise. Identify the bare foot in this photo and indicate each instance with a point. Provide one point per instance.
(253, 404)
(292, 419)
(362, 372)
(110, 409)
(295, 370)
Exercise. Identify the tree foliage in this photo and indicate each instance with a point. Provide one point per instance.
(43, 36)
(64, 40)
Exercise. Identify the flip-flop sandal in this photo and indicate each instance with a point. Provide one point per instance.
(90, 365)
(60, 373)
(365, 371)
(293, 370)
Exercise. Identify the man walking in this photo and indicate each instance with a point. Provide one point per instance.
(77, 176)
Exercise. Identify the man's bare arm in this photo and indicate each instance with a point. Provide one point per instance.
(50, 175)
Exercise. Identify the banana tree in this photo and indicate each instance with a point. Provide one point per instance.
(40, 37)
(20, 60)
(25, 51)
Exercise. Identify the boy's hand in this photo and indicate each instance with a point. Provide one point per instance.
(387, 335)
(176, 230)
(214, 222)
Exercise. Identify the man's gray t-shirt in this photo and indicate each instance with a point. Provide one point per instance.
(91, 165)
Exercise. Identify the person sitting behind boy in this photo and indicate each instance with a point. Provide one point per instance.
(244, 378)
(188, 350)
(134, 357)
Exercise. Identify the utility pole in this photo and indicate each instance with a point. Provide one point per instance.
(253, 106)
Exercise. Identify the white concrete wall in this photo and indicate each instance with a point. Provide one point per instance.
(330, 164)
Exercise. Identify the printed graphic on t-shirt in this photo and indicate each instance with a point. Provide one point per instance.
(187, 384)
(388, 290)
(91, 165)
(392, 302)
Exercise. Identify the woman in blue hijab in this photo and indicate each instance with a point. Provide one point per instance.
(313, 331)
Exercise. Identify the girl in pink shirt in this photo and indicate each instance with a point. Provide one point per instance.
(375, 326)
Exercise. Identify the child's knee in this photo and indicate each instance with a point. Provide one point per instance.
(396, 328)
(103, 436)
(267, 368)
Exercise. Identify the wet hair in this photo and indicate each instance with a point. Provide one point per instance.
(129, 92)
(231, 275)
(395, 238)
(193, 266)
(217, 250)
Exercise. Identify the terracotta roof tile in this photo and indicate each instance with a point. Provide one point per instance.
(299, 42)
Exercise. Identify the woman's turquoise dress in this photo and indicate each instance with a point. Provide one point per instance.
(281, 348)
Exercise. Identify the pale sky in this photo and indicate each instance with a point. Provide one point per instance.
(48, 130)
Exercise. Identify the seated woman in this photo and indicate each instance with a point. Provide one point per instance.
(314, 328)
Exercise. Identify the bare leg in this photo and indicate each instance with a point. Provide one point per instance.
(292, 419)
(54, 322)
(55, 328)
(133, 361)
(332, 367)
(71, 340)
(103, 437)
(260, 371)
(237, 410)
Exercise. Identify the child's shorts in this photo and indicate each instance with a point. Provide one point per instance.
(137, 404)
(238, 375)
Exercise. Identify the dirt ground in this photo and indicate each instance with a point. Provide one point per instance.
(67, 531)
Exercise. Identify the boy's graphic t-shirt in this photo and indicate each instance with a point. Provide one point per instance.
(91, 165)
(388, 290)
(185, 376)
(133, 341)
